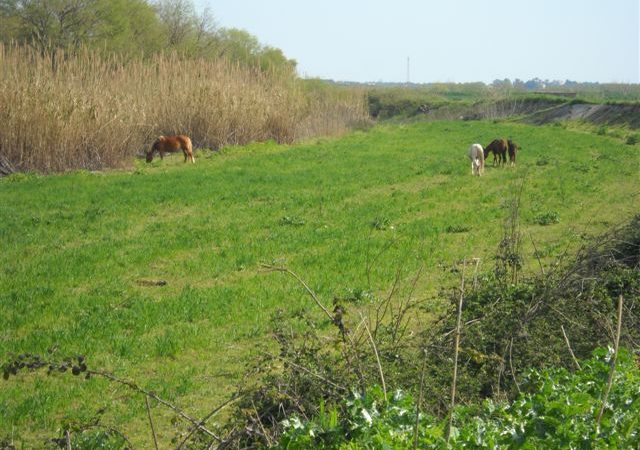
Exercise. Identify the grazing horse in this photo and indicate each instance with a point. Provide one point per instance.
(172, 144)
(513, 150)
(476, 155)
(499, 149)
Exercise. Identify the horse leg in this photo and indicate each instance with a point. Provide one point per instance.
(476, 167)
(188, 152)
(189, 156)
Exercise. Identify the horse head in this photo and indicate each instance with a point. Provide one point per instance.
(153, 148)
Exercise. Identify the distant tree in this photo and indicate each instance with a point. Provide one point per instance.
(132, 27)
(50, 25)
(533, 84)
(128, 26)
(272, 58)
(518, 84)
(207, 40)
(502, 84)
(180, 22)
(239, 45)
(9, 23)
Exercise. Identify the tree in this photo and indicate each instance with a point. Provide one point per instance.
(129, 27)
(272, 58)
(180, 22)
(239, 45)
(132, 27)
(50, 25)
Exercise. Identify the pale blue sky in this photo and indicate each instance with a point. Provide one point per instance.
(446, 40)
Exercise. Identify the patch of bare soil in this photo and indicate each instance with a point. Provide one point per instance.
(618, 115)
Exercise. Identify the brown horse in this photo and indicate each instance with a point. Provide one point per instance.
(513, 150)
(172, 144)
(499, 149)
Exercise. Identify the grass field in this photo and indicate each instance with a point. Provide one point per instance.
(78, 249)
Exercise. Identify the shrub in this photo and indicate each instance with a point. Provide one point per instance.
(519, 325)
(511, 325)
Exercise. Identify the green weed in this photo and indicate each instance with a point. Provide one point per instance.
(547, 218)
(554, 410)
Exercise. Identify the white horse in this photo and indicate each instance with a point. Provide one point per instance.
(476, 155)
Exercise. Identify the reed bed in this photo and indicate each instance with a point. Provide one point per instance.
(95, 112)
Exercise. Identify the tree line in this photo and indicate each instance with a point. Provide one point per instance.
(132, 28)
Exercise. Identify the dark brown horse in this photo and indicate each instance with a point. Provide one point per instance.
(172, 144)
(499, 149)
(513, 150)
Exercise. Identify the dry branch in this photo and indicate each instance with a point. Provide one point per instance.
(153, 430)
(375, 351)
(419, 402)
(152, 395)
(305, 285)
(573, 356)
(455, 352)
(612, 370)
(304, 369)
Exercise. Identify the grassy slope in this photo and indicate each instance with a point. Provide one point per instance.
(74, 248)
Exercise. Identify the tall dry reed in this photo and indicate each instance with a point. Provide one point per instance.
(96, 112)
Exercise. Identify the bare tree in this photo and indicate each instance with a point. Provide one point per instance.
(180, 20)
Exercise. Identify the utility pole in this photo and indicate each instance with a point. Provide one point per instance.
(408, 70)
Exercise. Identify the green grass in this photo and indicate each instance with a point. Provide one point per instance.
(76, 249)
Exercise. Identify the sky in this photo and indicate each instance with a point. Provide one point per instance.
(445, 40)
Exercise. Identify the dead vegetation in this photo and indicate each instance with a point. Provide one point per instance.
(94, 112)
